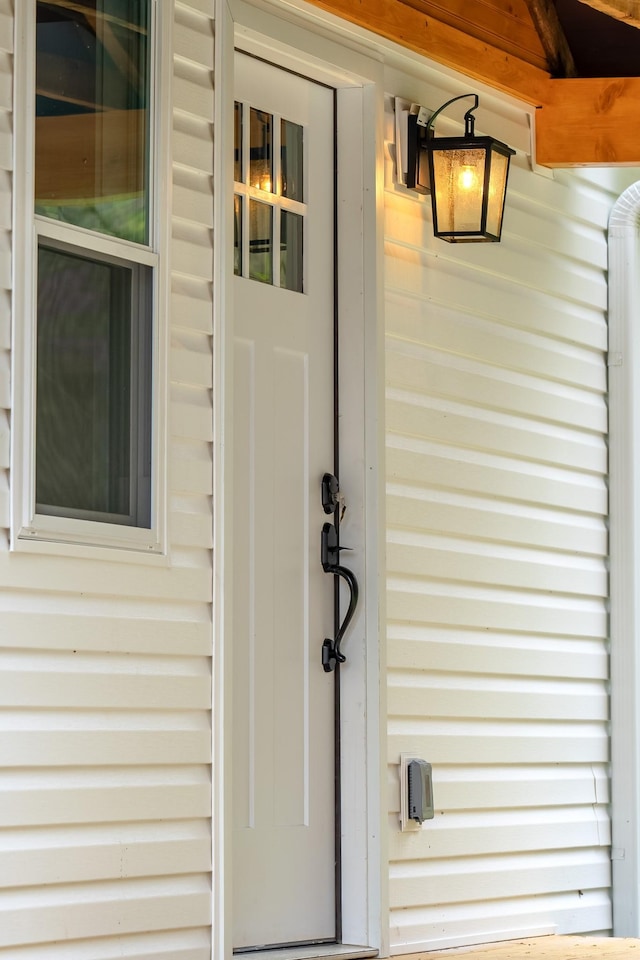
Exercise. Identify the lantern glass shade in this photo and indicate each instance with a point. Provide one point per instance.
(468, 179)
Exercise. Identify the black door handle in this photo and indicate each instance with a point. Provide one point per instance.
(330, 558)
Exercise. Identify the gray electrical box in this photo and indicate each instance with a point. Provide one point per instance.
(419, 791)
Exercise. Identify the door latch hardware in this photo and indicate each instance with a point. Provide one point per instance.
(330, 558)
(332, 498)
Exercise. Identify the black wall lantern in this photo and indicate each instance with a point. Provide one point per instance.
(466, 176)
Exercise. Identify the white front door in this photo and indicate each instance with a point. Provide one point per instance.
(283, 730)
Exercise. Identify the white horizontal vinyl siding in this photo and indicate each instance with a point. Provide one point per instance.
(497, 565)
(105, 667)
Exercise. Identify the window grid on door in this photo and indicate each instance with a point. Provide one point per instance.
(269, 193)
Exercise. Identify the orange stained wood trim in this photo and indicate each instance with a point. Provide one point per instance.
(400, 21)
(583, 122)
(627, 10)
(543, 948)
(508, 27)
(587, 122)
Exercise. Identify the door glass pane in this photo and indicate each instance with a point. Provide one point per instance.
(261, 241)
(237, 143)
(92, 115)
(291, 227)
(261, 152)
(237, 235)
(291, 153)
(92, 434)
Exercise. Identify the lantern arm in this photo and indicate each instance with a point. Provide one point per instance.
(469, 119)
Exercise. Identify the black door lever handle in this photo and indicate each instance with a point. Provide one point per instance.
(330, 558)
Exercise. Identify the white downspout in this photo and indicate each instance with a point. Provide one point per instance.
(624, 474)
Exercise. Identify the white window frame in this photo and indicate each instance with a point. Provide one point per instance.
(29, 529)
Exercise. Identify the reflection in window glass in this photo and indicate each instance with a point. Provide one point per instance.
(291, 160)
(273, 250)
(93, 442)
(260, 241)
(260, 147)
(237, 235)
(291, 227)
(237, 143)
(92, 115)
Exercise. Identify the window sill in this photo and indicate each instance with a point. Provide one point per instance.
(117, 544)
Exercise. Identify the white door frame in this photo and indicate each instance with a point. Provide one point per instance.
(257, 27)
(624, 513)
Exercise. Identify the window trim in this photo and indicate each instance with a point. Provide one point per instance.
(30, 530)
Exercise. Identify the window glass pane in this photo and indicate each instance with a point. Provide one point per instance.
(92, 115)
(93, 444)
(497, 188)
(237, 143)
(260, 241)
(291, 153)
(237, 235)
(261, 159)
(291, 227)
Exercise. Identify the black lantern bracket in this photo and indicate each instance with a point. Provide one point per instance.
(466, 176)
(421, 131)
(469, 119)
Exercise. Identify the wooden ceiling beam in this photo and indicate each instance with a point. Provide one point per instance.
(589, 122)
(547, 23)
(627, 10)
(581, 122)
(398, 20)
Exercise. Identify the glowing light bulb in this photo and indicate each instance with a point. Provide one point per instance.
(467, 178)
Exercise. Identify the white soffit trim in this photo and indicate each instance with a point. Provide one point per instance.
(624, 469)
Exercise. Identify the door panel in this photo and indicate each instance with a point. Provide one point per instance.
(284, 848)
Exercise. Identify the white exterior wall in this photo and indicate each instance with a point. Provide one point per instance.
(497, 563)
(497, 594)
(105, 665)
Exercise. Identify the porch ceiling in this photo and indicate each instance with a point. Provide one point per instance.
(577, 61)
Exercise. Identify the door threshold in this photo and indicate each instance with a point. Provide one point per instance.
(311, 951)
